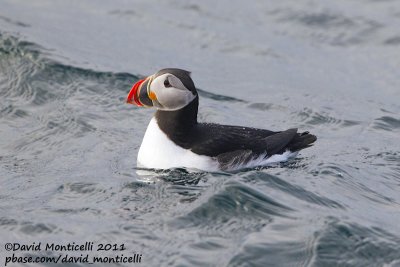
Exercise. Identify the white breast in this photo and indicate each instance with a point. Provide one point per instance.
(157, 151)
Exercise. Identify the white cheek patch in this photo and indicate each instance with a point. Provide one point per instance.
(171, 98)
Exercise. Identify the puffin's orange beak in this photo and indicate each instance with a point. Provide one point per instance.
(140, 93)
(133, 96)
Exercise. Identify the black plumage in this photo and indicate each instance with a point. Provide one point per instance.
(227, 144)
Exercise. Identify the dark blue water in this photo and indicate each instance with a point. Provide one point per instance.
(68, 142)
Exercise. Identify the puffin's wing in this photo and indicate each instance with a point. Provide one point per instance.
(214, 140)
(271, 145)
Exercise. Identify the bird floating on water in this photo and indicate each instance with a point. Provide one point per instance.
(175, 139)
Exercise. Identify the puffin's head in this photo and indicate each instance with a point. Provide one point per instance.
(168, 89)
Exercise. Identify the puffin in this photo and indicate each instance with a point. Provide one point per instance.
(175, 139)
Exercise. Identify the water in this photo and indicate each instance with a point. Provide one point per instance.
(68, 143)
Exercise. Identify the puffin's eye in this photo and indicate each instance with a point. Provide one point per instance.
(166, 83)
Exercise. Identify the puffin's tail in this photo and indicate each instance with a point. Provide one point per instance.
(301, 141)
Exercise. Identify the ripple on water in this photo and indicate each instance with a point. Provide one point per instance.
(46, 103)
(8, 223)
(310, 117)
(32, 228)
(348, 178)
(18, 61)
(261, 106)
(180, 176)
(345, 244)
(79, 197)
(236, 208)
(296, 191)
(14, 22)
(217, 97)
(387, 123)
(273, 253)
(27, 227)
(330, 26)
(395, 40)
(335, 243)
